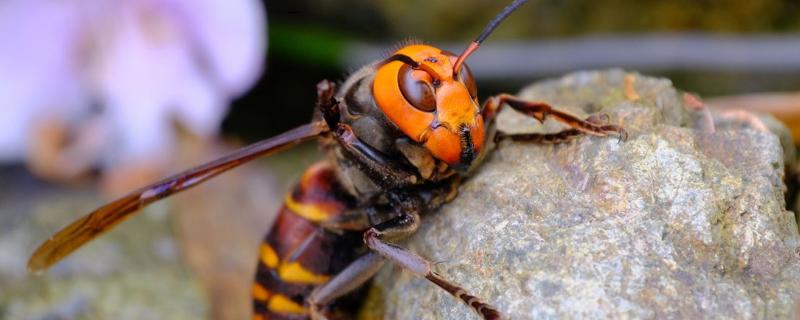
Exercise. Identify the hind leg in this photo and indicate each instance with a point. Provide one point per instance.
(349, 279)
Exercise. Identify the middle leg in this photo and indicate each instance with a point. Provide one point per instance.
(402, 226)
(346, 281)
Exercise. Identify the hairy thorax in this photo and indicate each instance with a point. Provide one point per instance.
(410, 160)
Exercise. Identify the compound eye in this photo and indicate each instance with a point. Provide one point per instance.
(465, 76)
(416, 88)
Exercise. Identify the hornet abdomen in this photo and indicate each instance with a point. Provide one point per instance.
(297, 255)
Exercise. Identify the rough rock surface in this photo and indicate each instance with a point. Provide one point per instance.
(675, 222)
(134, 273)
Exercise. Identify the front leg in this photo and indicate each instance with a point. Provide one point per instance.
(390, 171)
(327, 104)
(557, 137)
(402, 227)
(541, 111)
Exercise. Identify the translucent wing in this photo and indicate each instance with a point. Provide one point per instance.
(106, 217)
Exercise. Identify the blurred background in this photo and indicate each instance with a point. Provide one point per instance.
(99, 97)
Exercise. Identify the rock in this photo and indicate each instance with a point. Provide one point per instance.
(675, 222)
(133, 272)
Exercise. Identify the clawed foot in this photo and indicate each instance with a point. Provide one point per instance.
(600, 127)
(316, 313)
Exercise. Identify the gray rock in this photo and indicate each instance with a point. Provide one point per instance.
(119, 277)
(675, 222)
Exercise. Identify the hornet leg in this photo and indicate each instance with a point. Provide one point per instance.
(396, 172)
(402, 227)
(556, 137)
(349, 279)
(594, 125)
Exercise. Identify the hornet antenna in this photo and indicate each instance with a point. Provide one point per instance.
(486, 32)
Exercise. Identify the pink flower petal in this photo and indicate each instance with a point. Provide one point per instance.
(37, 69)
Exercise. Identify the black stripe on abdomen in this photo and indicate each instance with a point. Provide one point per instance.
(297, 255)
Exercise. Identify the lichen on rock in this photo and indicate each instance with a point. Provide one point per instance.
(678, 221)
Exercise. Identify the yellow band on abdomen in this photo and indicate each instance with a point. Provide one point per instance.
(310, 212)
(294, 272)
(281, 304)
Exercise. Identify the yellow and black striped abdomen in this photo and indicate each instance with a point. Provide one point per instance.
(297, 255)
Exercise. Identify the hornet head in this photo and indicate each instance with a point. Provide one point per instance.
(421, 91)
(431, 96)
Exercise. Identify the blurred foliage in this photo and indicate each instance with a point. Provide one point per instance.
(453, 20)
(307, 38)
(308, 43)
(554, 18)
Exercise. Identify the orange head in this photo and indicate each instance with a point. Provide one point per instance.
(420, 92)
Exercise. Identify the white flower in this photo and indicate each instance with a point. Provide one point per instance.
(128, 69)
